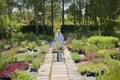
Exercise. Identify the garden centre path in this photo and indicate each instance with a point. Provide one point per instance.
(62, 70)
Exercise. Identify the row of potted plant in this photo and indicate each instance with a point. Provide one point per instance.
(5, 47)
(21, 75)
(91, 46)
(101, 55)
(32, 46)
(25, 46)
(35, 59)
(8, 57)
(10, 69)
(104, 42)
(113, 74)
(92, 69)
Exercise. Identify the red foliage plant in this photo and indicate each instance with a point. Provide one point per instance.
(11, 68)
(91, 56)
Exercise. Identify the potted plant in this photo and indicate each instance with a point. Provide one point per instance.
(35, 49)
(44, 49)
(22, 75)
(76, 57)
(92, 69)
(32, 45)
(21, 50)
(35, 65)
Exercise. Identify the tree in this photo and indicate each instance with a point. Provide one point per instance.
(52, 17)
(63, 12)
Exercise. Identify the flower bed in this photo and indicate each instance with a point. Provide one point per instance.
(11, 68)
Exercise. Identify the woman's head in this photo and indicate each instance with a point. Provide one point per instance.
(58, 31)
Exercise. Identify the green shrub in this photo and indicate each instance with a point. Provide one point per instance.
(21, 49)
(36, 63)
(75, 56)
(118, 57)
(57, 47)
(110, 63)
(5, 59)
(44, 49)
(90, 48)
(38, 42)
(104, 42)
(24, 44)
(43, 43)
(1, 45)
(30, 36)
(22, 75)
(46, 37)
(20, 57)
(37, 59)
(92, 67)
(114, 52)
(20, 36)
(32, 45)
(76, 45)
(112, 75)
(28, 58)
(105, 52)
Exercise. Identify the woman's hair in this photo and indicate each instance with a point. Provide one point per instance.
(58, 30)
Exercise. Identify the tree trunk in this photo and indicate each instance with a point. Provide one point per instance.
(62, 12)
(74, 14)
(44, 13)
(52, 17)
(36, 21)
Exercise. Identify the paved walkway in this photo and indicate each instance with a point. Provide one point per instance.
(62, 70)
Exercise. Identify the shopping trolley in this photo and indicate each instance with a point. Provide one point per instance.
(58, 51)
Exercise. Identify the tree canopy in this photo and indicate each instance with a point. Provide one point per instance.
(103, 15)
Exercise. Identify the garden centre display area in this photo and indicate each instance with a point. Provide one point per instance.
(97, 56)
(91, 30)
(17, 60)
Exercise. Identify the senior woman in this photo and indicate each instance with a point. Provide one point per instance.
(59, 43)
(59, 39)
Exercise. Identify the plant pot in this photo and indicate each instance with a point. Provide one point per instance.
(30, 61)
(77, 61)
(27, 68)
(79, 51)
(29, 49)
(83, 73)
(8, 48)
(33, 69)
(35, 50)
(113, 57)
(5, 78)
(88, 74)
(83, 60)
(23, 51)
(19, 52)
(102, 72)
(69, 48)
(73, 50)
(2, 50)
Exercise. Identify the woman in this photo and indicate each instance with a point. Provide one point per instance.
(59, 39)
(59, 44)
